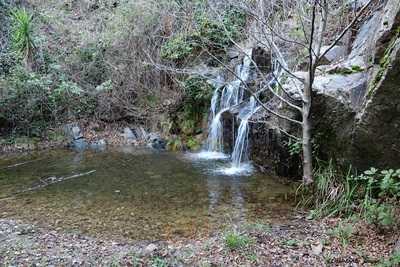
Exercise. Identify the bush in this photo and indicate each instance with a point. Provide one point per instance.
(213, 34)
(179, 47)
(21, 34)
(31, 102)
(371, 195)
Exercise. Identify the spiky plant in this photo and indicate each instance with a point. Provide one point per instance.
(22, 34)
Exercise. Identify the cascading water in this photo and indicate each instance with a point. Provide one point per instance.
(232, 94)
(240, 151)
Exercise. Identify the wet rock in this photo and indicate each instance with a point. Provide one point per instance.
(73, 131)
(140, 133)
(155, 141)
(79, 144)
(99, 145)
(76, 139)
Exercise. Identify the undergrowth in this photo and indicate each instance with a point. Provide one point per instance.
(372, 195)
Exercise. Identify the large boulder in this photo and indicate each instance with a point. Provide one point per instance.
(376, 137)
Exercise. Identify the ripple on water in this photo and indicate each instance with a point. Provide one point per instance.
(208, 155)
(245, 169)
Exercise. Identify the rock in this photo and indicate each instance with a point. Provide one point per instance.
(355, 5)
(99, 145)
(379, 120)
(155, 141)
(150, 249)
(334, 55)
(73, 131)
(140, 133)
(128, 134)
(347, 89)
(317, 250)
(79, 144)
(397, 247)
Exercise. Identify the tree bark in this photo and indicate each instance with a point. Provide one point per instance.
(306, 134)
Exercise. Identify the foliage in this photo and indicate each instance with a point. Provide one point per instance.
(392, 261)
(192, 143)
(330, 195)
(380, 214)
(197, 96)
(291, 242)
(22, 39)
(370, 194)
(235, 241)
(179, 47)
(159, 262)
(32, 101)
(294, 147)
(343, 232)
(209, 33)
(175, 143)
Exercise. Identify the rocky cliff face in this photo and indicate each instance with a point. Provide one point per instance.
(356, 112)
(358, 115)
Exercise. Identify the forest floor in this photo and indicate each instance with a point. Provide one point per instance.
(300, 242)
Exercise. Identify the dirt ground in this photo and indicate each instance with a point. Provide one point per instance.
(300, 242)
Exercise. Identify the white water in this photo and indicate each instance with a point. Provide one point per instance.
(240, 151)
(222, 101)
(229, 95)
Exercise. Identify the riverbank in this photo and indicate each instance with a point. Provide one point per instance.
(300, 242)
(56, 137)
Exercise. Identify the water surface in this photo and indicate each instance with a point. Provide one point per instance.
(136, 194)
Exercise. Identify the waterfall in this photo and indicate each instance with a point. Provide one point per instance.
(231, 97)
(232, 94)
(240, 151)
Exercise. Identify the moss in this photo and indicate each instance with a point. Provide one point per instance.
(347, 71)
(384, 64)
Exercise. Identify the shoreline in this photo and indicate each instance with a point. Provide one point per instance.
(300, 242)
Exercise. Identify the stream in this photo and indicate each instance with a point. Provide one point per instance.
(136, 194)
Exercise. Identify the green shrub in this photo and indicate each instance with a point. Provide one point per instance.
(31, 101)
(193, 144)
(380, 214)
(22, 33)
(235, 241)
(343, 232)
(392, 261)
(208, 33)
(179, 47)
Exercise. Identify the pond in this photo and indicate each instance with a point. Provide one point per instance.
(136, 194)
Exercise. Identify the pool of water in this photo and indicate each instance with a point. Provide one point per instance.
(136, 194)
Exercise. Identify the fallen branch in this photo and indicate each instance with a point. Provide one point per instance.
(18, 164)
(47, 182)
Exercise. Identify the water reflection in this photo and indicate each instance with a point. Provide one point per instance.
(136, 194)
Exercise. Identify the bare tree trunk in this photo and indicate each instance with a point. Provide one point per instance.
(306, 134)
